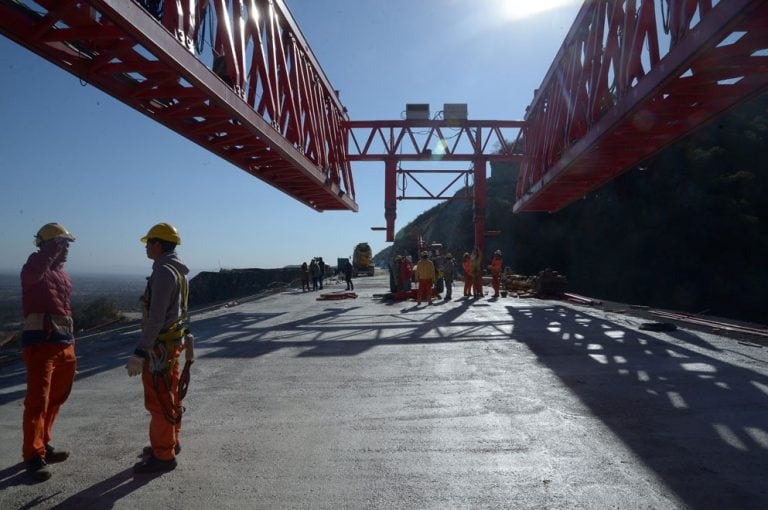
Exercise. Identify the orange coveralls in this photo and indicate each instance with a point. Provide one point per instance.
(468, 279)
(160, 394)
(48, 346)
(476, 261)
(496, 274)
(50, 373)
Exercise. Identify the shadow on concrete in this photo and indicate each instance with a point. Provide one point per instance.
(16, 475)
(700, 423)
(332, 332)
(100, 353)
(107, 492)
(14, 374)
(100, 495)
(693, 339)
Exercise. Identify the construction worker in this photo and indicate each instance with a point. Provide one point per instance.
(348, 275)
(48, 346)
(304, 276)
(495, 269)
(406, 272)
(466, 265)
(476, 260)
(321, 268)
(448, 269)
(314, 273)
(425, 273)
(396, 273)
(157, 351)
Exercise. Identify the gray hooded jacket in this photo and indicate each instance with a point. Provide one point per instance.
(165, 299)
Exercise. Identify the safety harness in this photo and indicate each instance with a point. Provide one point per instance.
(163, 356)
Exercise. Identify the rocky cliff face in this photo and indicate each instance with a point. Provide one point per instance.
(209, 287)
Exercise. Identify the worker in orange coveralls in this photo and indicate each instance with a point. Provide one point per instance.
(476, 261)
(48, 346)
(466, 265)
(406, 270)
(425, 273)
(495, 269)
(164, 331)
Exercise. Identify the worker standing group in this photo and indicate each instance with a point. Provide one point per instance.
(48, 347)
(439, 271)
(315, 271)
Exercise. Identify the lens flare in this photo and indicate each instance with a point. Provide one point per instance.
(513, 10)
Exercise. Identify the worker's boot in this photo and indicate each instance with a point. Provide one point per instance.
(52, 455)
(148, 449)
(37, 468)
(154, 465)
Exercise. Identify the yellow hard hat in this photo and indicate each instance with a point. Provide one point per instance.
(449, 255)
(163, 231)
(51, 231)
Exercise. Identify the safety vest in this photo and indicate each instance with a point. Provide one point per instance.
(171, 335)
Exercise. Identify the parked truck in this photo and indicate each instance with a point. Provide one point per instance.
(362, 260)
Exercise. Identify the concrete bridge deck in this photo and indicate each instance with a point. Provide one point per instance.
(509, 403)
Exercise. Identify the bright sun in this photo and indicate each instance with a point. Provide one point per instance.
(521, 9)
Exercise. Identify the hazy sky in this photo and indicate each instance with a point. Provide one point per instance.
(72, 154)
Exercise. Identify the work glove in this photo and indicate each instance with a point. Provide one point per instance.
(134, 366)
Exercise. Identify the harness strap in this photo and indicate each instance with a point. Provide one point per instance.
(180, 326)
(173, 414)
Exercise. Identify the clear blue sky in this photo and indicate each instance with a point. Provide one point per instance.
(70, 153)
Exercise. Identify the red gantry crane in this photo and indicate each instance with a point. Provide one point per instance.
(254, 94)
(438, 141)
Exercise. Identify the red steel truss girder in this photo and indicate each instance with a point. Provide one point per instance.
(610, 101)
(410, 140)
(294, 143)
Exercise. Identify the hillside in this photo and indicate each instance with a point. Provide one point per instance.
(209, 287)
(687, 230)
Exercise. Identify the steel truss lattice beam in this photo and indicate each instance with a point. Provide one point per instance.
(258, 98)
(612, 98)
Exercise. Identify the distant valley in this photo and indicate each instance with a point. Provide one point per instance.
(123, 290)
